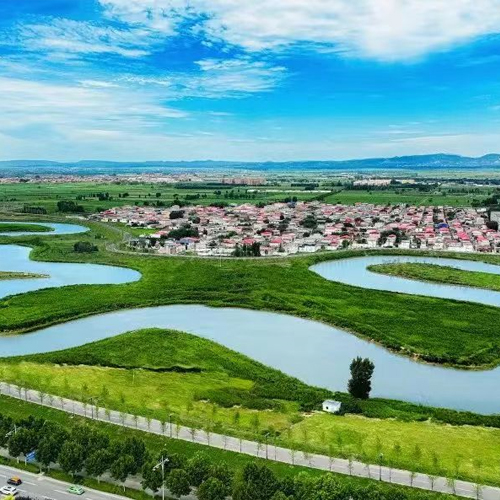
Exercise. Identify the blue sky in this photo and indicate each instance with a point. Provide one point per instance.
(261, 80)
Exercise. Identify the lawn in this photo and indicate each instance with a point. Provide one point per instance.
(439, 274)
(156, 373)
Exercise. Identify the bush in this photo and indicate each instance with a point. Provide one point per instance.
(84, 247)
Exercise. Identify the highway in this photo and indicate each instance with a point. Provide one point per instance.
(41, 487)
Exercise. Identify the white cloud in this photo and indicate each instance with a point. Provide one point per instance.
(218, 78)
(387, 30)
(48, 108)
(69, 37)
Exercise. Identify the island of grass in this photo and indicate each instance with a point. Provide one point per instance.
(439, 274)
(7, 275)
(13, 227)
(157, 373)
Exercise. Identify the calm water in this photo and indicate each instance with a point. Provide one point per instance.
(314, 352)
(56, 228)
(354, 272)
(15, 258)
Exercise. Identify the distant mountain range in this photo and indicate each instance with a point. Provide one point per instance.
(416, 162)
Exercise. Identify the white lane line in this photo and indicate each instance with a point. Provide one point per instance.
(31, 484)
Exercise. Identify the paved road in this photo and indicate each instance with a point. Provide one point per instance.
(284, 455)
(41, 487)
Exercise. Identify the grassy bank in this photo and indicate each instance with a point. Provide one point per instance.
(4, 275)
(156, 373)
(439, 274)
(12, 227)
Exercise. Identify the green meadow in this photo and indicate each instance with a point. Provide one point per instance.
(439, 274)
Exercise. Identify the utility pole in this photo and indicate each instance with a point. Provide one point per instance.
(164, 460)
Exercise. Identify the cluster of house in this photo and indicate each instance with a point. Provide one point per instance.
(290, 228)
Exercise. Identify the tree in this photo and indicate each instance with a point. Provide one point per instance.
(178, 482)
(198, 469)
(98, 463)
(48, 450)
(212, 489)
(122, 467)
(84, 247)
(151, 477)
(71, 457)
(359, 386)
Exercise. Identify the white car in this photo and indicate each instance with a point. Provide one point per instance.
(8, 490)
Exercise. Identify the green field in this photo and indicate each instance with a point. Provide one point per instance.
(12, 227)
(410, 196)
(157, 373)
(97, 197)
(439, 274)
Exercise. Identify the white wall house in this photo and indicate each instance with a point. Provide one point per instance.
(331, 406)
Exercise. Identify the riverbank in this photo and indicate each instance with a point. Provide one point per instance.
(4, 275)
(13, 227)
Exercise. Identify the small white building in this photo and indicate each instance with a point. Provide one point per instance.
(331, 406)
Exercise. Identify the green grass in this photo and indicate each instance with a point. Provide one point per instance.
(440, 274)
(4, 275)
(444, 326)
(12, 227)
(411, 196)
(158, 372)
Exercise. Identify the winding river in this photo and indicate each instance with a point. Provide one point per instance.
(314, 352)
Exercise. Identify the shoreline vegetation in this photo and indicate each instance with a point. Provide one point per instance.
(204, 385)
(7, 275)
(13, 227)
(285, 286)
(433, 273)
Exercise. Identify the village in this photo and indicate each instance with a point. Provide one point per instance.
(282, 229)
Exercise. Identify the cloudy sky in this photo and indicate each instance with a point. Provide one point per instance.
(248, 80)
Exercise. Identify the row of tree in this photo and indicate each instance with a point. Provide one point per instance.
(83, 450)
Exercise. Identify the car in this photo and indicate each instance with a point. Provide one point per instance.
(76, 490)
(8, 490)
(9, 497)
(14, 480)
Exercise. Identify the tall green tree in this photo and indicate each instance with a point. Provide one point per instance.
(122, 467)
(178, 483)
(359, 385)
(71, 457)
(198, 469)
(212, 489)
(98, 463)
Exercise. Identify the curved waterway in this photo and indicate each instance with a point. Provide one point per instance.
(15, 258)
(55, 228)
(353, 271)
(314, 352)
